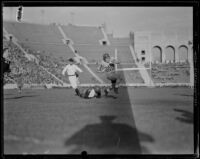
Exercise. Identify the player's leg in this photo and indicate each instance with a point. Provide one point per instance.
(77, 78)
(110, 78)
(73, 82)
(86, 93)
(113, 77)
(77, 81)
(118, 81)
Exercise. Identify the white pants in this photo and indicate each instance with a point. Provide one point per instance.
(73, 81)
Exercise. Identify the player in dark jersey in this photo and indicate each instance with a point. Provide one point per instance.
(108, 67)
(91, 93)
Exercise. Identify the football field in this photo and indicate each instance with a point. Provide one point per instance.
(136, 121)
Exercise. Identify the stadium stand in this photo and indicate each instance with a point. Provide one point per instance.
(94, 52)
(171, 73)
(43, 38)
(83, 34)
(30, 71)
(45, 43)
(124, 54)
(57, 50)
(118, 41)
(27, 32)
(131, 77)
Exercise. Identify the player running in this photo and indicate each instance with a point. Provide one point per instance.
(108, 66)
(72, 69)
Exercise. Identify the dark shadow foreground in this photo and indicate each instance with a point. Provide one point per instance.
(108, 137)
(116, 133)
(186, 116)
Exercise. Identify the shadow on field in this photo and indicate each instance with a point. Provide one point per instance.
(23, 96)
(110, 96)
(186, 116)
(108, 137)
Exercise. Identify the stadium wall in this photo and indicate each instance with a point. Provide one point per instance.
(162, 47)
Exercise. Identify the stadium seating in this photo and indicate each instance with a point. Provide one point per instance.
(131, 77)
(95, 52)
(124, 54)
(127, 76)
(57, 50)
(83, 34)
(45, 43)
(31, 73)
(119, 41)
(171, 73)
(27, 32)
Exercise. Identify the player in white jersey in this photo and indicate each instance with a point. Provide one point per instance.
(72, 69)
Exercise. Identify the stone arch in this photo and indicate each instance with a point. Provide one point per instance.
(156, 54)
(183, 53)
(170, 53)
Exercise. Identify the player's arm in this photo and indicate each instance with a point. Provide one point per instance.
(101, 68)
(77, 68)
(115, 61)
(64, 70)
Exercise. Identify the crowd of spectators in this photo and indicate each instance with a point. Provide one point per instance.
(171, 72)
(29, 71)
(48, 66)
(51, 63)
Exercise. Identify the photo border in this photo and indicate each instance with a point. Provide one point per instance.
(194, 4)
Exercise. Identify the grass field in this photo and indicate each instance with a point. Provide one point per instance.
(136, 121)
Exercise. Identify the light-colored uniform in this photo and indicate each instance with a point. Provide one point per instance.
(91, 94)
(71, 70)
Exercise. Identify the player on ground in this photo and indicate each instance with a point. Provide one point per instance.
(108, 66)
(91, 93)
(72, 69)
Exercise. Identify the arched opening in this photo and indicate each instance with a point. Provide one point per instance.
(170, 53)
(156, 54)
(183, 53)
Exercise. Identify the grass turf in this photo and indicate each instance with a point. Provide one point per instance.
(137, 121)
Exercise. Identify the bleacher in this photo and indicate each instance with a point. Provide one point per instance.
(31, 72)
(128, 77)
(28, 32)
(171, 73)
(83, 34)
(119, 41)
(132, 77)
(57, 50)
(45, 42)
(95, 52)
(42, 38)
(124, 54)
